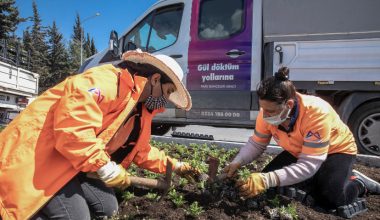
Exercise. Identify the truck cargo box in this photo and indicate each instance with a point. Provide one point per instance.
(294, 20)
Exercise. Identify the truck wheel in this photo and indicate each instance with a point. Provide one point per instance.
(365, 125)
(160, 129)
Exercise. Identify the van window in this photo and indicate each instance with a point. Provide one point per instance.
(157, 31)
(139, 35)
(220, 19)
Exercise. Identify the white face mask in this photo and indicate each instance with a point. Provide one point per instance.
(277, 120)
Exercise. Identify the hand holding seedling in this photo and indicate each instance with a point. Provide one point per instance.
(231, 169)
(251, 186)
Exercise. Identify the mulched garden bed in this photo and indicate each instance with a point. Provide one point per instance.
(200, 201)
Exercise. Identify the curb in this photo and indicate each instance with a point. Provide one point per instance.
(369, 160)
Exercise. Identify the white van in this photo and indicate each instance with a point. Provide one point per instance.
(226, 47)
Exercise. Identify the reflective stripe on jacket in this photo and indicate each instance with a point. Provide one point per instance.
(318, 129)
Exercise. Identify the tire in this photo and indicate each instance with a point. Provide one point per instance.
(160, 129)
(365, 125)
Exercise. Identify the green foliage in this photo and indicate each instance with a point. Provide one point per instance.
(290, 210)
(151, 196)
(151, 175)
(275, 202)
(183, 182)
(1, 127)
(244, 173)
(9, 18)
(132, 170)
(267, 160)
(57, 58)
(128, 195)
(201, 185)
(176, 198)
(39, 48)
(199, 164)
(194, 209)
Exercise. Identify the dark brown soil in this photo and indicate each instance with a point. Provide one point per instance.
(140, 207)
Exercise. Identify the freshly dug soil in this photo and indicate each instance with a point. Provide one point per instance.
(142, 207)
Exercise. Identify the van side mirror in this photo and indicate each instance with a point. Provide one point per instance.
(114, 44)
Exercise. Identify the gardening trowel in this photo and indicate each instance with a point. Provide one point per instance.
(211, 176)
(163, 185)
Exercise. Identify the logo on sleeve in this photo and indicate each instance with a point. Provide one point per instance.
(313, 136)
(96, 94)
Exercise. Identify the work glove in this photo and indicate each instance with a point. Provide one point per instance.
(231, 169)
(114, 175)
(184, 170)
(257, 183)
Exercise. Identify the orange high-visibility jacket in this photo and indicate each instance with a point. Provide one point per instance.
(318, 129)
(65, 131)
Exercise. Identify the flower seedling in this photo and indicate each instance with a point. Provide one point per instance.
(128, 195)
(176, 198)
(151, 196)
(244, 174)
(194, 209)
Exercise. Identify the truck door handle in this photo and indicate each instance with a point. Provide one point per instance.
(176, 56)
(278, 49)
(234, 53)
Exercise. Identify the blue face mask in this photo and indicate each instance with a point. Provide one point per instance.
(153, 103)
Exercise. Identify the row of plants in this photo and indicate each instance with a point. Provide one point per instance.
(197, 155)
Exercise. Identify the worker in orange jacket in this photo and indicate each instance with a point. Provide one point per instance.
(96, 122)
(319, 149)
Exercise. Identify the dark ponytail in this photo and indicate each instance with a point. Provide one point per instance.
(277, 88)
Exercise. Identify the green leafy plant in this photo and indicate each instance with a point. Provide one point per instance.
(201, 185)
(199, 164)
(289, 210)
(244, 173)
(194, 209)
(176, 198)
(275, 202)
(181, 149)
(267, 161)
(132, 170)
(151, 175)
(183, 182)
(151, 196)
(128, 195)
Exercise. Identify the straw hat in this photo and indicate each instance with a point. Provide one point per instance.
(181, 97)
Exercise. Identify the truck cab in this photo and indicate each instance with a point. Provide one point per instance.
(225, 47)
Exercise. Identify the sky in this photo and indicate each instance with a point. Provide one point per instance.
(114, 15)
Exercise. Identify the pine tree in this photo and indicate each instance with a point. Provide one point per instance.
(26, 40)
(87, 47)
(74, 46)
(58, 65)
(9, 18)
(38, 47)
(93, 47)
(26, 46)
